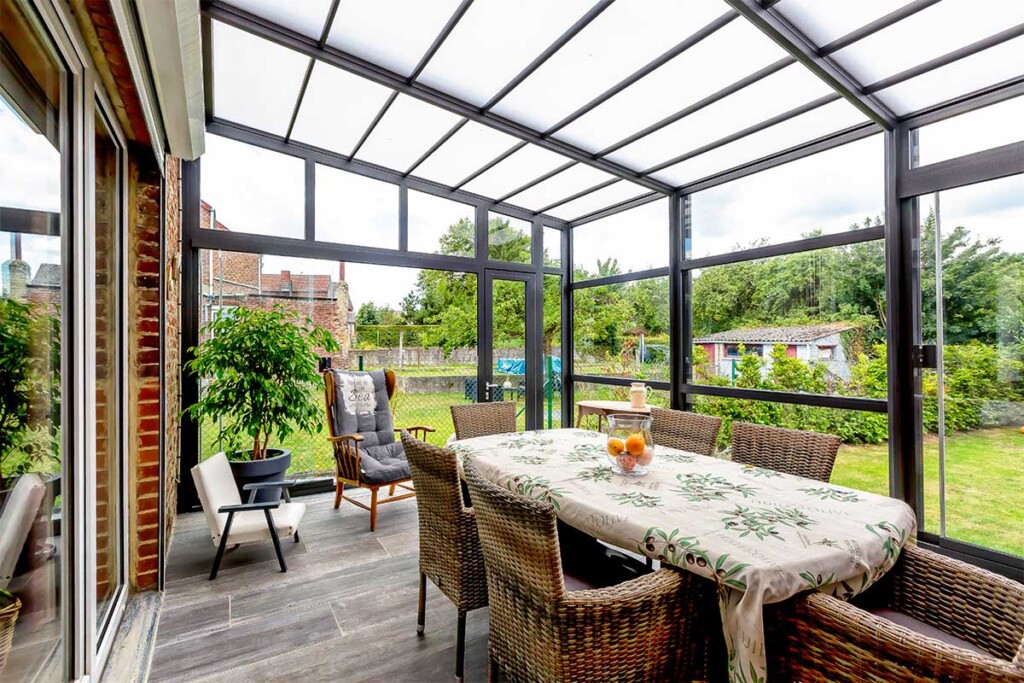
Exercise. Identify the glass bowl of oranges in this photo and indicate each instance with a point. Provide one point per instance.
(630, 446)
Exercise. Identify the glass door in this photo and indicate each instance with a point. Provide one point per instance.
(508, 364)
(971, 269)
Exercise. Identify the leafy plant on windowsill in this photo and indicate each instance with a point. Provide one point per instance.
(262, 370)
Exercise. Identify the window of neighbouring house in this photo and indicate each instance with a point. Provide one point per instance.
(737, 350)
(826, 352)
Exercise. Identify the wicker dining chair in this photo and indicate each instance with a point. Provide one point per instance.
(450, 554)
(483, 419)
(930, 619)
(685, 430)
(644, 629)
(804, 454)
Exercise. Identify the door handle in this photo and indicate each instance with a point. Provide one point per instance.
(927, 356)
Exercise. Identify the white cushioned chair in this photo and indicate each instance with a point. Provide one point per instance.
(234, 522)
(19, 514)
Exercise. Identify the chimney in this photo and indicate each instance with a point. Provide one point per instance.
(341, 271)
(15, 275)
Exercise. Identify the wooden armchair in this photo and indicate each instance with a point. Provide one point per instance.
(362, 434)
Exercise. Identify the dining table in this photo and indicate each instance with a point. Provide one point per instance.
(762, 536)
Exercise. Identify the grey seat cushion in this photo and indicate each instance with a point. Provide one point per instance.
(925, 629)
(382, 464)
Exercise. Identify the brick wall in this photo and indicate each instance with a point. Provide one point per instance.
(143, 327)
(172, 339)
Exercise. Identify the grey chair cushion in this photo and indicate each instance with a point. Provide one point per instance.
(381, 464)
(926, 629)
(361, 407)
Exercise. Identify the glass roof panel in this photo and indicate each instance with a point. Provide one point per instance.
(610, 48)
(494, 41)
(598, 199)
(406, 131)
(930, 33)
(814, 124)
(964, 76)
(992, 126)
(824, 23)
(307, 17)
(337, 108)
(465, 152)
(525, 165)
(394, 34)
(782, 91)
(736, 50)
(567, 183)
(255, 82)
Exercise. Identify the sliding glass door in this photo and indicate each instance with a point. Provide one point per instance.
(971, 269)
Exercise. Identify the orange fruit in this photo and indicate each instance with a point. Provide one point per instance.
(615, 446)
(635, 444)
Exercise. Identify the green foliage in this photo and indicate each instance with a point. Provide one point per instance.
(28, 393)
(388, 336)
(262, 372)
(370, 314)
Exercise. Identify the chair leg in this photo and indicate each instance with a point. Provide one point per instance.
(223, 544)
(460, 646)
(421, 615)
(391, 490)
(277, 541)
(296, 535)
(373, 509)
(338, 486)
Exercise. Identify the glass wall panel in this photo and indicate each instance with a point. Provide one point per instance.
(836, 190)
(812, 322)
(621, 330)
(992, 126)
(551, 415)
(863, 459)
(511, 383)
(354, 209)
(628, 241)
(508, 239)
(552, 247)
(592, 391)
(109, 525)
(419, 323)
(32, 289)
(252, 190)
(972, 276)
(441, 226)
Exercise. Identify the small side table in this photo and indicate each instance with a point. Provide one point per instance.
(604, 408)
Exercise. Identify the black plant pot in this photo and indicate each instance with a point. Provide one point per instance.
(272, 468)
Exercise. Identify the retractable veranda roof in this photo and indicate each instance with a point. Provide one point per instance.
(566, 108)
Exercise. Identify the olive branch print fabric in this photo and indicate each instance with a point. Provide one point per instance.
(761, 536)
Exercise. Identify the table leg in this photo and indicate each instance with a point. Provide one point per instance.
(579, 416)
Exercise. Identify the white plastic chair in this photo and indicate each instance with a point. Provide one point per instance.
(232, 521)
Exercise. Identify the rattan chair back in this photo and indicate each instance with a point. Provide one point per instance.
(483, 419)
(685, 430)
(804, 454)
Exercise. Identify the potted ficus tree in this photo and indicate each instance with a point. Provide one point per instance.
(260, 370)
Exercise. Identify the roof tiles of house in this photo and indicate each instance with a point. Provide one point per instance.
(48, 275)
(301, 284)
(792, 334)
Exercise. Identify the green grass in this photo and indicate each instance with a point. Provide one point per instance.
(984, 484)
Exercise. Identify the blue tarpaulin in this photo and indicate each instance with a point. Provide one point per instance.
(517, 366)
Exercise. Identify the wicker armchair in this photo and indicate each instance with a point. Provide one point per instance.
(362, 434)
(685, 430)
(804, 454)
(639, 630)
(483, 419)
(450, 553)
(932, 618)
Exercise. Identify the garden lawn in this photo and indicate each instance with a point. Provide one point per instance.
(984, 484)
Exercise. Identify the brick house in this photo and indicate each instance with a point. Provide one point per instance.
(811, 343)
(233, 279)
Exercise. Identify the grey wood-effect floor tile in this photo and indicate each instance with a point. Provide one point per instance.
(236, 646)
(192, 621)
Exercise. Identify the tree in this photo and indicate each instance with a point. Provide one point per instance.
(15, 376)
(368, 314)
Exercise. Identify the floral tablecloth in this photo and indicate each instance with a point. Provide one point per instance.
(762, 536)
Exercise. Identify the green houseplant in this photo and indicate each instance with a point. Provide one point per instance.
(261, 367)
